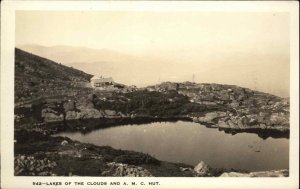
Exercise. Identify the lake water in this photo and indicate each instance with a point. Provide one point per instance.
(189, 143)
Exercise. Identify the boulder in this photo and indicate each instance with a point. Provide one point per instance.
(47, 110)
(234, 174)
(202, 169)
(223, 124)
(195, 119)
(273, 173)
(185, 169)
(209, 117)
(110, 112)
(231, 124)
(240, 123)
(252, 119)
(279, 119)
(51, 117)
(64, 143)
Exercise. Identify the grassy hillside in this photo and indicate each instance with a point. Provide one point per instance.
(37, 77)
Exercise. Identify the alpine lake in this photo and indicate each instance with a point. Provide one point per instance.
(189, 143)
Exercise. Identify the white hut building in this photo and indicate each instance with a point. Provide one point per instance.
(101, 81)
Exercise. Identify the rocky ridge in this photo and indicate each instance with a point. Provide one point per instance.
(233, 107)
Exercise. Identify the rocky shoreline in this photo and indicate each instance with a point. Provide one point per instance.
(89, 125)
(247, 123)
(86, 115)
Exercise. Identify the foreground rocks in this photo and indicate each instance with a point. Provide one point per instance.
(30, 166)
(200, 170)
(125, 170)
(274, 173)
(203, 170)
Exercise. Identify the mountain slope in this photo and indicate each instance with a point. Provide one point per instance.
(37, 77)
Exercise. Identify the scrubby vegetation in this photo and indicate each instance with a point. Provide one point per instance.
(147, 103)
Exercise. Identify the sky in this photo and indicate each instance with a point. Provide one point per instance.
(247, 49)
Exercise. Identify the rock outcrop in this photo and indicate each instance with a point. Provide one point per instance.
(210, 117)
(84, 113)
(232, 107)
(51, 115)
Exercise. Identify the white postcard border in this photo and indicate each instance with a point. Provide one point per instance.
(8, 8)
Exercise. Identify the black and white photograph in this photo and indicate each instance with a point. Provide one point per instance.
(151, 93)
